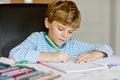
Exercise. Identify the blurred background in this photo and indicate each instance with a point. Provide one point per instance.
(100, 21)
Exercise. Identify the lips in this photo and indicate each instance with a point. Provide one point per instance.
(61, 40)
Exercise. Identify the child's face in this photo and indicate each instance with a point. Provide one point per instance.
(59, 33)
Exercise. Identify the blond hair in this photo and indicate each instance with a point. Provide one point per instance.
(65, 12)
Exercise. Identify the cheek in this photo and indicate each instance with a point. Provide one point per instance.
(54, 33)
(69, 36)
(57, 34)
(51, 31)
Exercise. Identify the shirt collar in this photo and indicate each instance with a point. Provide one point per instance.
(60, 47)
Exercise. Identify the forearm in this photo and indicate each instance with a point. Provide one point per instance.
(20, 53)
(105, 49)
(98, 54)
(44, 56)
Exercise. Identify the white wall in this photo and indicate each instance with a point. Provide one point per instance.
(100, 22)
(95, 25)
(117, 27)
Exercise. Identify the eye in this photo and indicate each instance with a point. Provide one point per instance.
(70, 32)
(60, 28)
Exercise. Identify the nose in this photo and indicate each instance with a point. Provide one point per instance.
(65, 34)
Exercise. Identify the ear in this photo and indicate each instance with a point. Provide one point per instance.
(47, 23)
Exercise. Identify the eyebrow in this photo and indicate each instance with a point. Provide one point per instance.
(63, 26)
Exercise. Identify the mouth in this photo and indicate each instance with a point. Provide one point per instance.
(61, 40)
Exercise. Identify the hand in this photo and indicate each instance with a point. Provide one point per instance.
(86, 57)
(54, 57)
(59, 57)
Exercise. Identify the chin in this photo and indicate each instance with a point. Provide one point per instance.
(60, 44)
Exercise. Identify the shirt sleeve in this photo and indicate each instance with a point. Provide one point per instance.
(83, 47)
(26, 50)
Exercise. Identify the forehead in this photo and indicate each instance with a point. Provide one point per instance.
(59, 24)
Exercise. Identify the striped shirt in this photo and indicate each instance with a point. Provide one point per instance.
(36, 43)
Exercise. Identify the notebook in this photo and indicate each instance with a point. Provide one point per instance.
(72, 67)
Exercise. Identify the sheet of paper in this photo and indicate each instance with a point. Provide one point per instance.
(71, 66)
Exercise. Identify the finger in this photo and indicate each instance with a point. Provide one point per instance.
(81, 56)
(82, 59)
(88, 60)
(64, 56)
(64, 59)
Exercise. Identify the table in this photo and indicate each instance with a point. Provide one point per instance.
(104, 74)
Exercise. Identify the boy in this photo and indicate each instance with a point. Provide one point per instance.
(62, 19)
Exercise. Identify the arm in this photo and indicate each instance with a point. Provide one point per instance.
(89, 52)
(94, 55)
(26, 50)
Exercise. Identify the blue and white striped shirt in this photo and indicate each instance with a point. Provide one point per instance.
(36, 43)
